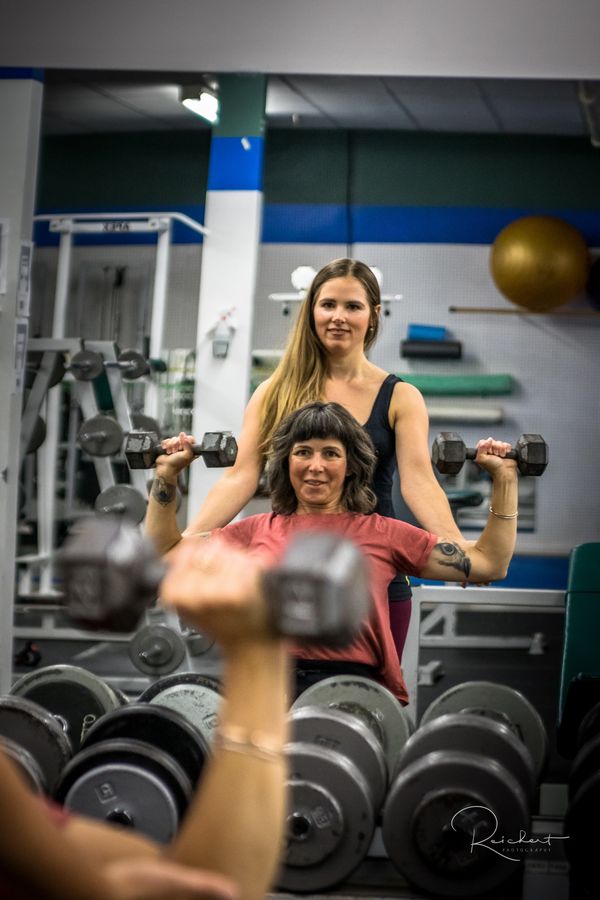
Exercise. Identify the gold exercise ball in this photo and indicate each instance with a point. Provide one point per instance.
(539, 262)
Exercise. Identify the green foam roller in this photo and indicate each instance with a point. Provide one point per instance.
(460, 385)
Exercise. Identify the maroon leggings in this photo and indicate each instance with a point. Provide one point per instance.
(399, 621)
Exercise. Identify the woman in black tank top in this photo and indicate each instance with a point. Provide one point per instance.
(326, 359)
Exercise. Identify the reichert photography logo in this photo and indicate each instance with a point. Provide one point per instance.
(484, 833)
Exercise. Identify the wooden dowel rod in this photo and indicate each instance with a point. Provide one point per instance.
(492, 310)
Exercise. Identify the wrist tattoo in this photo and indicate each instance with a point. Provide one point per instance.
(163, 492)
(451, 555)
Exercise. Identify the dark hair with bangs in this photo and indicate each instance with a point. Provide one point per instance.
(323, 420)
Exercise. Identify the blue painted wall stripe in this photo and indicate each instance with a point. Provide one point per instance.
(14, 74)
(306, 223)
(548, 573)
(236, 164)
(453, 225)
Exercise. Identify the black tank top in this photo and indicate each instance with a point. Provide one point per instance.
(378, 428)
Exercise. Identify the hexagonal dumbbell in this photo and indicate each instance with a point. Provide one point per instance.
(111, 575)
(468, 773)
(87, 365)
(449, 453)
(218, 449)
(346, 734)
(137, 767)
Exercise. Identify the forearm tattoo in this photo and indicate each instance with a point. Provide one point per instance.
(163, 492)
(451, 555)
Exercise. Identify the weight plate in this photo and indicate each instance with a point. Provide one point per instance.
(25, 764)
(161, 684)
(156, 649)
(486, 697)
(142, 422)
(135, 367)
(86, 365)
(100, 436)
(581, 826)
(122, 500)
(473, 734)
(197, 703)
(34, 728)
(330, 819)
(585, 764)
(72, 694)
(370, 702)
(130, 783)
(438, 807)
(344, 733)
(590, 726)
(161, 727)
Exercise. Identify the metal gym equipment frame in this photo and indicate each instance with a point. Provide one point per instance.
(36, 576)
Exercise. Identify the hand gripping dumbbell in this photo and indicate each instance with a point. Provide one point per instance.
(111, 575)
(469, 773)
(449, 453)
(218, 449)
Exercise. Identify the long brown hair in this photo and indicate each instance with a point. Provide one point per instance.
(301, 373)
(323, 421)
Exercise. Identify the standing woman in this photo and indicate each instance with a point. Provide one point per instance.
(325, 359)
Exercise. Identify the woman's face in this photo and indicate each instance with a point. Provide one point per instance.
(342, 314)
(317, 473)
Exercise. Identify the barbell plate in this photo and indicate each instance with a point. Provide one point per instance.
(581, 826)
(502, 700)
(28, 724)
(73, 695)
(142, 422)
(127, 782)
(344, 733)
(122, 500)
(590, 726)
(136, 365)
(473, 734)
(86, 365)
(370, 702)
(161, 684)
(198, 704)
(100, 436)
(437, 807)
(25, 763)
(156, 649)
(330, 819)
(585, 764)
(161, 727)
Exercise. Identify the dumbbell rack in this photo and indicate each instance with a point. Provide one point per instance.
(37, 576)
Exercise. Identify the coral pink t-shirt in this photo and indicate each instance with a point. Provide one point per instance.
(389, 546)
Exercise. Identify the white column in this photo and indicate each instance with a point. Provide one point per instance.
(20, 114)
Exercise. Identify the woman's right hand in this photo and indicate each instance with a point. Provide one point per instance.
(177, 455)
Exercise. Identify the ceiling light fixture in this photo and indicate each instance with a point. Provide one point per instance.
(201, 101)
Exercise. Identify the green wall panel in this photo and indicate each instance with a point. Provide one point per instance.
(404, 169)
(142, 169)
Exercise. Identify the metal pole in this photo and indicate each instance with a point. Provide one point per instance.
(159, 305)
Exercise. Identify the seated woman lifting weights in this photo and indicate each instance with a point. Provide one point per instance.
(320, 473)
(326, 359)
